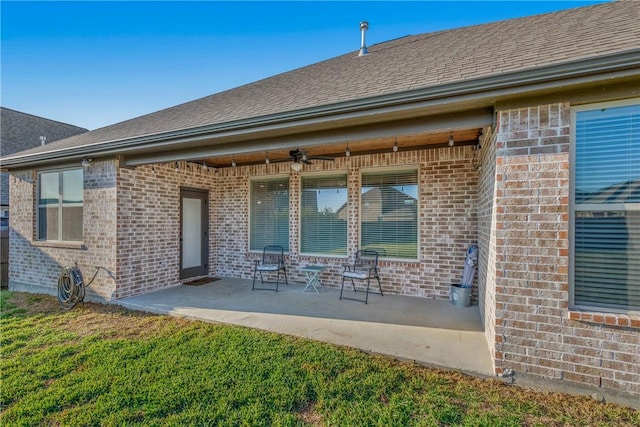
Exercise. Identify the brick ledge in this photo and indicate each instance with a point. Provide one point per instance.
(60, 245)
(607, 319)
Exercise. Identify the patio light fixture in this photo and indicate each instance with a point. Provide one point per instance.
(296, 166)
(86, 162)
(233, 163)
(451, 140)
(477, 145)
(395, 146)
(347, 152)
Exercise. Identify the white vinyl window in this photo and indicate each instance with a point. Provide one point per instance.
(269, 213)
(323, 215)
(389, 213)
(606, 207)
(60, 205)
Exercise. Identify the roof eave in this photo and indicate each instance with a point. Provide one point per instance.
(396, 105)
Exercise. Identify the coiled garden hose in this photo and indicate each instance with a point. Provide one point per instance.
(71, 286)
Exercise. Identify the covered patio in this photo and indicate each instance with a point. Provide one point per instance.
(429, 331)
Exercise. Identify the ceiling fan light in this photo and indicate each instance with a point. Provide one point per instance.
(296, 166)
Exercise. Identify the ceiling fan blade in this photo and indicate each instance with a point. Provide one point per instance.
(330, 159)
(306, 161)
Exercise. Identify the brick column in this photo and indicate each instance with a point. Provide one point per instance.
(532, 188)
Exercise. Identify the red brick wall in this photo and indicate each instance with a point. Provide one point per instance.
(536, 332)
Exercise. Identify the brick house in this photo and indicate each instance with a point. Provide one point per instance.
(507, 135)
(20, 131)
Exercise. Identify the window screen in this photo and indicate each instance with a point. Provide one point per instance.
(323, 215)
(269, 213)
(606, 264)
(389, 213)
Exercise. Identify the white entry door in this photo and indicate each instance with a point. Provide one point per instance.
(194, 233)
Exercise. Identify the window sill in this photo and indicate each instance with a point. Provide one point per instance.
(309, 256)
(606, 319)
(60, 245)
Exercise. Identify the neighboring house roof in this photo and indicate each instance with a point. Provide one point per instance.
(431, 62)
(21, 131)
(623, 192)
(377, 202)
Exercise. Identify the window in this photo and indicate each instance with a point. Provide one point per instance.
(323, 216)
(269, 213)
(389, 213)
(60, 200)
(606, 207)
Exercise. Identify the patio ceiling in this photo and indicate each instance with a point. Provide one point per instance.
(356, 147)
(364, 134)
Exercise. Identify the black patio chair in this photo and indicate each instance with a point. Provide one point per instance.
(364, 268)
(272, 262)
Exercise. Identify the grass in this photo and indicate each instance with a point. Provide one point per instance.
(103, 365)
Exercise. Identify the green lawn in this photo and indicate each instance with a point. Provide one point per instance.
(101, 365)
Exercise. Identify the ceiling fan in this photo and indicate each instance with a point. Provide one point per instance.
(297, 157)
(302, 156)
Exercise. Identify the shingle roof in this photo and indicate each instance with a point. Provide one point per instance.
(21, 131)
(412, 62)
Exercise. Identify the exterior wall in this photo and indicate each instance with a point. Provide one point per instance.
(143, 248)
(536, 331)
(448, 218)
(149, 224)
(35, 266)
(487, 236)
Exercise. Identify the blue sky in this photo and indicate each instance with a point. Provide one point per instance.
(96, 63)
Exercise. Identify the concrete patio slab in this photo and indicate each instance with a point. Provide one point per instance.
(427, 331)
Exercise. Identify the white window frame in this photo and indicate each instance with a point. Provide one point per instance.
(573, 208)
(393, 169)
(277, 177)
(328, 174)
(60, 205)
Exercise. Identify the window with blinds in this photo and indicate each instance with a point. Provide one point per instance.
(269, 213)
(606, 207)
(389, 213)
(60, 205)
(323, 215)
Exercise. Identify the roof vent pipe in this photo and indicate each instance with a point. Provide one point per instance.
(364, 26)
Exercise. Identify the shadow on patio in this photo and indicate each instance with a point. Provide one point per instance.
(427, 331)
